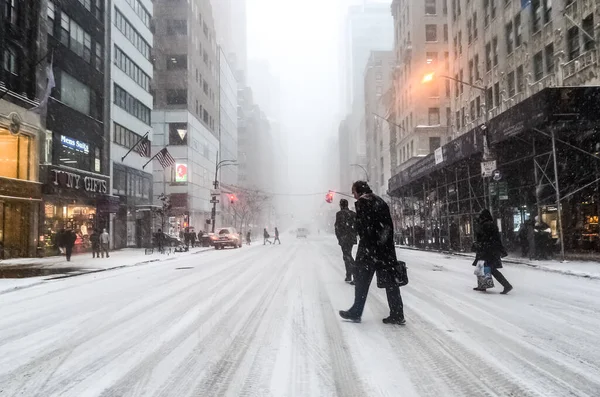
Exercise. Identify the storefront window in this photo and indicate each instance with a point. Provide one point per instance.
(15, 155)
(81, 218)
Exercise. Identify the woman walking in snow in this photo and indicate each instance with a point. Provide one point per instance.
(488, 247)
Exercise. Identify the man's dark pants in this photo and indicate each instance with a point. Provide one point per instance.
(348, 260)
(363, 277)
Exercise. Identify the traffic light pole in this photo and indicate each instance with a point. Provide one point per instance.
(218, 165)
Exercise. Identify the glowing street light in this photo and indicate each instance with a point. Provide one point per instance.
(428, 78)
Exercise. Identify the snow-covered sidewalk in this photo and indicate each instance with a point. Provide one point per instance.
(587, 269)
(57, 266)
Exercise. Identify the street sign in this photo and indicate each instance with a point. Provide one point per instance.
(214, 200)
(496, 175)
(487, 168)
(499, 189)
(439, 156)
(215, 192)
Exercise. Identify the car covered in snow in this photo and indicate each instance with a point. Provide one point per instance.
(227, 237)
(302, 232)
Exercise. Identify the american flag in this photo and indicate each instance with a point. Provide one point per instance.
(143, 148)
(165, 159)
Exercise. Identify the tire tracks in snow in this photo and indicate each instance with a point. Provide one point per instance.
(33, 378)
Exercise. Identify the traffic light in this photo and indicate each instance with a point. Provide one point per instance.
(329, 197)
(232, 198)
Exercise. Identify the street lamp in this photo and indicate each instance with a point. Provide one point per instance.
(219, 165)
(363, 168)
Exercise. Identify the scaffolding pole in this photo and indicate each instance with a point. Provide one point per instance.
(558, 206)
(458, 208)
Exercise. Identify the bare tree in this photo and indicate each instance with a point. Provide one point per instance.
(248, 206)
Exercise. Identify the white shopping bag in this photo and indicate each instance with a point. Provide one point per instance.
(479, 272)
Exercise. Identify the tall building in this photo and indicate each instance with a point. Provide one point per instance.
(228, 120)
(185, 117)
(422, 110)
(231, 27)
(515, 50)
(378, 85)
(131, 105)
(21, 131)
(368, 27)
(75, 169)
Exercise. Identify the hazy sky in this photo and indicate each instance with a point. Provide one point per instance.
(302, 41)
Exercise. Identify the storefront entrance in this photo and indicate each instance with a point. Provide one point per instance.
(15, 220)
(80, 218)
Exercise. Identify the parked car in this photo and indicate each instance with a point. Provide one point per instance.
(302, 232)
(227, 237)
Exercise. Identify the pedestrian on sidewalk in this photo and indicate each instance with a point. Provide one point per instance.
(95, 240)
(489, 248)
(104, 242)
(248, 237)
(276, 236)
(160, 241)
(69, 240)
(193, 238)
(266, 236)
(376, 254)
(345, 232)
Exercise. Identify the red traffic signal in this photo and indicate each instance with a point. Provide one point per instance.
(232, 198)
(329, 197)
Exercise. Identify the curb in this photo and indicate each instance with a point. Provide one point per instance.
(511, 261)
(95, 271)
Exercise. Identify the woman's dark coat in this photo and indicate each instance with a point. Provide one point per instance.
(488, 244)
(376, 246)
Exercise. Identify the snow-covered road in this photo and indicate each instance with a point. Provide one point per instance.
(262, 321)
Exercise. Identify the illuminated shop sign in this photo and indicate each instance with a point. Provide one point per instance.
(181, 173)
(75, 144)
(72, 180)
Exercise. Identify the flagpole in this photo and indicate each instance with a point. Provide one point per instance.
(134, 146)
(152, 158)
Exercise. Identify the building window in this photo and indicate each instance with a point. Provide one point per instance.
(445, 7)
(10, 60)
(430, 33)
(434, 116)
(75, 94)
(493, 8)
(472, 110)
(447, 61)
(178, 134)
(176, 97)
(475, 33)
(459, 42)
(550, 58)
(140, 10)
(518, 31)
(445, 33)
(132, 70)
(470, 31)
(489, 100)
(19, 164)
(131, 105)
(51, 14)
(511, 84)
(538, 66)
(131, 34)
(432, 58)
(573, 42)
(588, 27)
(509, 38)
(176, 62)
(541, 12)
(11, 13)
(457, 116)
(478, 106)
(486, 13)
(98, 60)
(448, 116)
(430, 7)
(205, 116)
(127, 138)
(447, 88)
(177, 27)
(87, 4)
(497, 94)
(495, 49)
(476, 66)
(461, 77)
(471, 72)
(520, 79)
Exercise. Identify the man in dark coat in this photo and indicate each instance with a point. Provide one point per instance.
(276, 236)
(95, 240)
(376, 253)
(489, 248)
(345, 232)
(69, 239)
